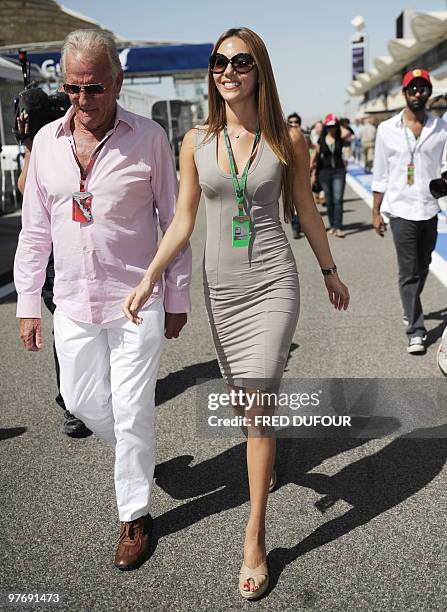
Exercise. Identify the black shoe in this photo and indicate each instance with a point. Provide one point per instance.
(416, 345)
(74, 427)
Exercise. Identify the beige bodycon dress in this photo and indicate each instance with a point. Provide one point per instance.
(251, 293)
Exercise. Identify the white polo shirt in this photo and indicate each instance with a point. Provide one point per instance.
(391, 158)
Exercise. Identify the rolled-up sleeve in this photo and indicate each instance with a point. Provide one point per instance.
(380, 169)
(34, 246)
(165, 189)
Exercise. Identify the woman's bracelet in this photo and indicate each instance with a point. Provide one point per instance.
(327, 271)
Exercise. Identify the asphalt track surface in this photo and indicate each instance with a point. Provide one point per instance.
(355, 524)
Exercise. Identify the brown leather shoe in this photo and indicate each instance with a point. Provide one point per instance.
(133, 543)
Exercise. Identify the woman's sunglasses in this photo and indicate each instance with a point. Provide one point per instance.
(241, 63)
(91, 90)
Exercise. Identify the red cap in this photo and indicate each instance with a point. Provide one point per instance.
(330, 119)
(417, 73)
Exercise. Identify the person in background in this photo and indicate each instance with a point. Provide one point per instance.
(314, 137)
(72, 426)
(315, 133)
(356, 143)
(329, 168)
(411, 150)
(347, 133)
(368, 133)
(294, 122)
(442, 348)
(437, 106)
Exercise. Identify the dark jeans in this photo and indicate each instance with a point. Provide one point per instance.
(333, 184)
(296, 225)
(414, 241)
(47, 295)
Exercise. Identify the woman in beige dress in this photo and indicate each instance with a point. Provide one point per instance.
(241, 161)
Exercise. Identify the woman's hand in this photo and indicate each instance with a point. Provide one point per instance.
(137, 299)
(337, 291)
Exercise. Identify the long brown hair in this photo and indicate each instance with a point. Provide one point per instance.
(270, 116)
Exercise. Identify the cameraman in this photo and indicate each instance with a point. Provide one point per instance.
(72, 426)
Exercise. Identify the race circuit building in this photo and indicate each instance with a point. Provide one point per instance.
(421, 42)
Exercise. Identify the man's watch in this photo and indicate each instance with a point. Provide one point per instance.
(328, 271)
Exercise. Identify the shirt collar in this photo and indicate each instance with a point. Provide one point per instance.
(121, 115)
(429, 119)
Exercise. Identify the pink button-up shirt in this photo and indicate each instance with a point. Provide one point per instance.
(97, 264)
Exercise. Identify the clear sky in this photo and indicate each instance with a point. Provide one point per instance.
(308, 41)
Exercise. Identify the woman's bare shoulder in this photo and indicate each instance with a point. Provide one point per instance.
(193, 135)
(296, 136)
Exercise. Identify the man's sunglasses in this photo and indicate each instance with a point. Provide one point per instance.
(241, 63)
(91, 90)
(414, 89)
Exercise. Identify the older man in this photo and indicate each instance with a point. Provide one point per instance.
(99, 178)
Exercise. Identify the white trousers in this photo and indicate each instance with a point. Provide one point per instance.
(108, 377)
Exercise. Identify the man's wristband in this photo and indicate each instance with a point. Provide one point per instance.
(328, 271)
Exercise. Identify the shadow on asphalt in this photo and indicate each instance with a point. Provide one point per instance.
(352, 228)
(177, 382)
(434, 334)
(323, 211)
(356, 228)
(11, 432)
(371, 485)
(11, 298)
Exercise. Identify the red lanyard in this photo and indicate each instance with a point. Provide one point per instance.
(85, 172)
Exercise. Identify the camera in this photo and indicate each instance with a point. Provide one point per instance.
(438, 187)
(38, 107)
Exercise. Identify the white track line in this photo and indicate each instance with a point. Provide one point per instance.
(438, 265)
(359, 190)
(7, 290)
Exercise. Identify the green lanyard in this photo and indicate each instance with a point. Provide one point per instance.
(239, 187)
(412, 151)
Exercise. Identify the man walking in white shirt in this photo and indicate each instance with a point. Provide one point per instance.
(411, 149)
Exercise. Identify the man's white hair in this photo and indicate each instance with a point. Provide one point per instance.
(81, 41)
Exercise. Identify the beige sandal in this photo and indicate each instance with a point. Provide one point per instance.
(273, 481)
(255, 574)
